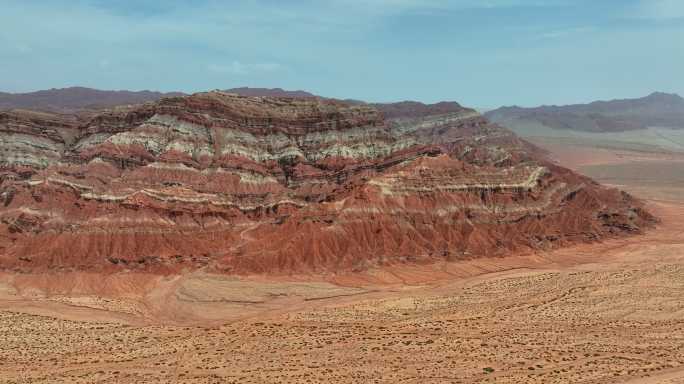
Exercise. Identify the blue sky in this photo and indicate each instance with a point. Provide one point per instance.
(482, 53)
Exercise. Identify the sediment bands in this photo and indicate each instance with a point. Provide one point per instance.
(275, 185)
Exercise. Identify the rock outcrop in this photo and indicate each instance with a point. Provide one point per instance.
(281, 185)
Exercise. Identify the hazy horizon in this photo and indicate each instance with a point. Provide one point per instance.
(482, 54)
(478, 108)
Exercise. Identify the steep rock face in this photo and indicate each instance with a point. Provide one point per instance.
(278, 185)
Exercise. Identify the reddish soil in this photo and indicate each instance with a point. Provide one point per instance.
(601, 313)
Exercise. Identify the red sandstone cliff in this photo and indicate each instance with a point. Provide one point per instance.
(278, 185)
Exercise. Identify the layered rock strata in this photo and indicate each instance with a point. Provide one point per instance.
(281, 185)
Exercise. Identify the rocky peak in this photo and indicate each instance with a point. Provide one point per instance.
(662, 97)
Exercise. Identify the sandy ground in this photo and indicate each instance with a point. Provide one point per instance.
(576, 156)
(603, 313)
(651, 175)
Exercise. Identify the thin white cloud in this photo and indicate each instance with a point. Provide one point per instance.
(235, 68)
(657, 10)
(268, 67)
(239, 68)
(449, 4)
(568, 32)
(24, 48)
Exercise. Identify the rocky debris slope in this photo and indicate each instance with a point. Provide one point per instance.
(656, 110)
(280, 185)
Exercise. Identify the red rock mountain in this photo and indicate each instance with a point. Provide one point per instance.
(279, 185)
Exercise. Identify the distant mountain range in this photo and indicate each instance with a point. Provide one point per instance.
(656, 110)
(71, 99)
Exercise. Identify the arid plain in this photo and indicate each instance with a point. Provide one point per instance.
(603, 313)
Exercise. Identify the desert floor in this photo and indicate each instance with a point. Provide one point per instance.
(603, 313)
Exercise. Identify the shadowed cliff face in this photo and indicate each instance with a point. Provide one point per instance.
(282, 185)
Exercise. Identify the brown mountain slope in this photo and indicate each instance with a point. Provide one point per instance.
(656, 110)
(404, 109)
(280, 185)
